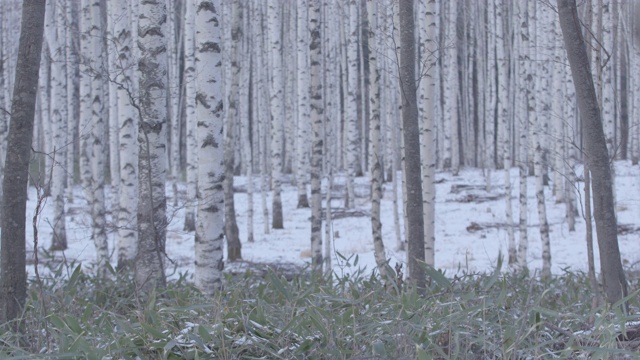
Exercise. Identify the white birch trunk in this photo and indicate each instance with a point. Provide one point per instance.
(542, 73)
(450, 63)
(126, 219)
(152, 138)
(276, 94)
(209, 111)
(234, 248)
(316, 116)
(57, 118)
(303, 81)
(97, 141)
(523, 106)
(504, 120)
(427, 105)
(85, 96)
(351, 119)
(190, 115)
(248, 63)
(374, 137)
(569, 112)
(112, 121)
(173, 92)
(487, 92)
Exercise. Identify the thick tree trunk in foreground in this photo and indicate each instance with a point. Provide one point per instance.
(209, 112)
(413, 204)
(428, 104)
(127, 238)
(13, 279)
(152, 137)
(615, 285)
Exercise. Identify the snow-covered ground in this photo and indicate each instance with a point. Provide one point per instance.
(460, 243)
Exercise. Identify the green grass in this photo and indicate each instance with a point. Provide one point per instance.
(476, 316)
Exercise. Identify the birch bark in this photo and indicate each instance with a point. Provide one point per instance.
(234, 248)
(351, 120)
(209, 111)
(58, 122)
(374, 127)
(152, 139)
(97, 140)
(303, 111)
(274, 24)
(127, 236)
(316, 116)
(429, 54)
(190, 115)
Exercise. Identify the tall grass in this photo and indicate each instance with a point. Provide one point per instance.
(474, 316)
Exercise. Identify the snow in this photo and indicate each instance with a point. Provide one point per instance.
(457, 248)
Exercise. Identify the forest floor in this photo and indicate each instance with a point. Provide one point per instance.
(471, 228)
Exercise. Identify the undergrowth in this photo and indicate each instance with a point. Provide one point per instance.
(498, 315)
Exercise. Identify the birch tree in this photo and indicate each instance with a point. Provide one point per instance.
(303, 81)
(523, 104)
(276, 93)
(543, 99)
(427, 107)
(450, 72)
(504, 120)
(57, 118)
(96, 143)
(127, 236)
(247, 113)
(209, 235)
(351, 103)
(231, 227)
(317, 113)
(190, 115)
(374, 137)
(152, 139)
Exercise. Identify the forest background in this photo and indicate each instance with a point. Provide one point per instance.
(307, 91)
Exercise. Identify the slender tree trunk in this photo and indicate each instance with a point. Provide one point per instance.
(112, 8)
(615, 285)
(543, 99)
(351, 121)
(209, 110)
(152, 138)
(248, 114)
(13, 279)
(190, 116)
(374, 137)
(57, 118)
(173, 93)
(277, 107)
(591, 266)
(73, 96)
(303, 81)
(234, 248)
(523, 106)
(413, 204)
(317, 114)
